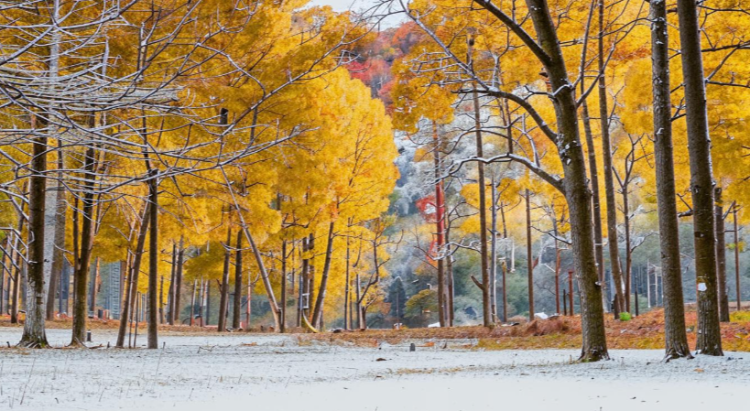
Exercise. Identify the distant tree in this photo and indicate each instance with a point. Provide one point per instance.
(397, 298)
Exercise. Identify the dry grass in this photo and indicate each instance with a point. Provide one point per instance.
(644, 332)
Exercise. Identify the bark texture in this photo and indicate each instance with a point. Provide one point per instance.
(676, 344)
(701, 179)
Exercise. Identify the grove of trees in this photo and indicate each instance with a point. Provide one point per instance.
(279, 164)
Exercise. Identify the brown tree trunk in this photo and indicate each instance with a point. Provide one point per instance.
(529, 256)
(266, 280)
(575, 185)
(34, 333)
(721, 257)
(161, 300)
(225, 284)
(609, 185)
(59, 242)
(318, 312)
(192, 302)
(439, 225)
(347, 280)
(87, 238)
(737, 260)
(449, 277)
(172, 281)
(132, 284)
(483, 251)
(701, 179)
(595, 198)
(94, 281)
(237, 309)
(153, 263)
(178, 280)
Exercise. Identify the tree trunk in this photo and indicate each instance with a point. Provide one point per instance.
(595, 198)
(494, 198)
(529, 256)
(172, 281)
(701, 178)
(737, 260)
(132, 286)
(266, 280)
(609, 185)
(94, 281)
(192, 302)
(153, 263)
(347, 279)
(484, 253)
(34, 334)
(161, 300)
(178, 279)
(237, 309)
(318, 312)
(6, 242)
(449, 277)
(439, 225)
(58, 255)
(87, 238)
(628, 249)
(575, 185)
(721, 257)
(225, 284)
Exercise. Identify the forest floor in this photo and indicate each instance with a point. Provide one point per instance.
(643, 332)
(451, 370)
(277, 372)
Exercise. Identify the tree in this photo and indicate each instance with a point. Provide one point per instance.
(701, 179)
(547, 51)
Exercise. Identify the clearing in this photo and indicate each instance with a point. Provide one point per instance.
(267, 371)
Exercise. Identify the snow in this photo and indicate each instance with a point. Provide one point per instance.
(274, 372)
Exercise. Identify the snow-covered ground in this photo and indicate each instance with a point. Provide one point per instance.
(276, 373)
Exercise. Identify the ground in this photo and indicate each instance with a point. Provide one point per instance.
(294, 372)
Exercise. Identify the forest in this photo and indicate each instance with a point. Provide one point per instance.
(281, 167)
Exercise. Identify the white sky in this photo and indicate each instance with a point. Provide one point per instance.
(339, 5)
(343, 5)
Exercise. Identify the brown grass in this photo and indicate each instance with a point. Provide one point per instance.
(643, 332)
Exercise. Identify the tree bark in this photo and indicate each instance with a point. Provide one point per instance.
(575, 186)
(266, 280)
(34, 333)
(153, 263)
(87, 238)
(483, 251)
(529, 256)
(236, 311)
(192, 302)
(609, 185)
(94, 281)
(172, 281)
(701, 178)
(58, 245)
(225, 284)
(721, 257)
(132, 285)
(318, 312)
(737, 261)
(439, 225)
(178, 279)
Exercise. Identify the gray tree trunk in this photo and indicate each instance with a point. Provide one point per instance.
(575, 184)
(34, 334)
(676, 344)
(721, 257)
(701, 179)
